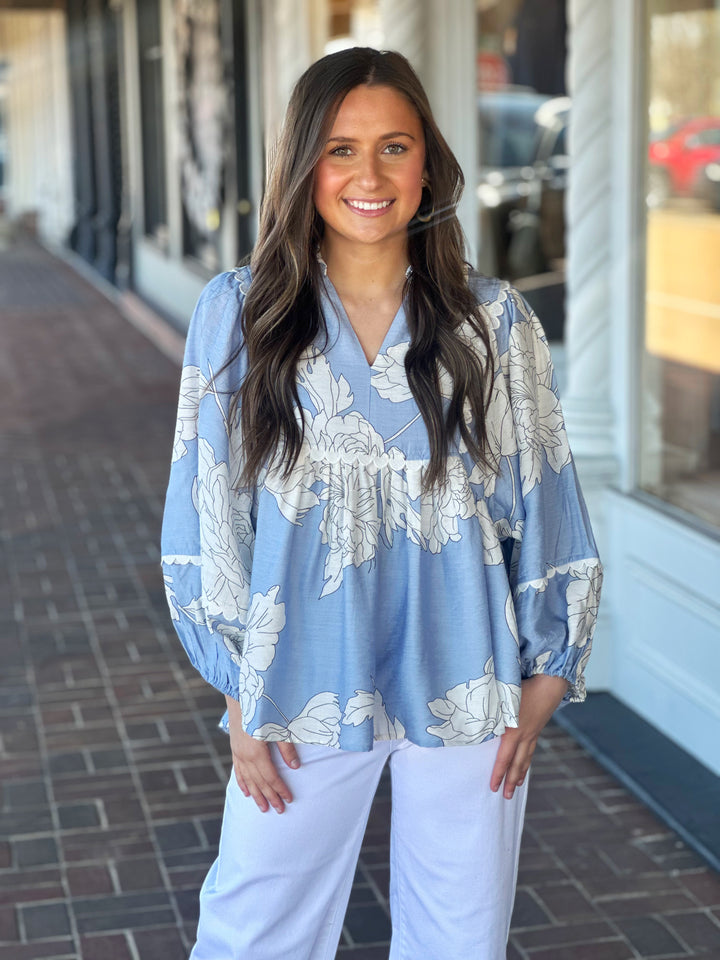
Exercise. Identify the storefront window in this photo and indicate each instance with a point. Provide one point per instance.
(203, 113)
(680, 382)
(151, 114)
(523, 112)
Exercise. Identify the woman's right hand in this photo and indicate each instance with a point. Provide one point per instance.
(255, 771)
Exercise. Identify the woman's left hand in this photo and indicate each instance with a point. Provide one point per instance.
(540, 697)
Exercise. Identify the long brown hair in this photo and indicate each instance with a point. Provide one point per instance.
(281, 315)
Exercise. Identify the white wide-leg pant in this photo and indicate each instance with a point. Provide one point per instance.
(280, 885)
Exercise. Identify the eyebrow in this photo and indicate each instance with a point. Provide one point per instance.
(385, 136)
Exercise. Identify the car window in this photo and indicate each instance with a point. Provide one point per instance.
(507, 140)
(507, 129)
(709, 137)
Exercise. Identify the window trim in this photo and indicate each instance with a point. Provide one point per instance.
(635, 250)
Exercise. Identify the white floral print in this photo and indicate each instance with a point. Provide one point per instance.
(253, 650)
(583, 599)
(171, 597)
(511, 619)
(475, 710)
(326, 393)
(390, 380)
(347, 437)
(318, 722)
(266, 619)
(397, 510)
(540, 662)
(502, 441)
(350, 523)
(192, 383)
(294, 494)
(440, 512)
(250, 688)
(492, 551)
(367, 705)
(495, 308)
(227, 541)
(535, 406)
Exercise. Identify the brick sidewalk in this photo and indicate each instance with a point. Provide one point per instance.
(111, 765)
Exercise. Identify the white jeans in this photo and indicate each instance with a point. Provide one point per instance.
(281, 883)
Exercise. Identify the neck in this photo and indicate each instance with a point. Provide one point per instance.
(366, 273)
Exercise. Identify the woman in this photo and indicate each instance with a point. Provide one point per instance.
(374, 538)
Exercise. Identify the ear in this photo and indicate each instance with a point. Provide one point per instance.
(426, 177)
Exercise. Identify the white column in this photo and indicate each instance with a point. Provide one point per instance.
(438, 38)
(587, 398)
(404, 26)
(452, 87)
(286, 28)
(591, 211)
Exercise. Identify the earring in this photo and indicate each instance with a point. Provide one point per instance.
(426, 217)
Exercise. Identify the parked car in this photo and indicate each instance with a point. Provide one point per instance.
(521, 191)
(679, 157)
(523, 176)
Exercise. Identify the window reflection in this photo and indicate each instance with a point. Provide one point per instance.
(680, 450)
(523, 113)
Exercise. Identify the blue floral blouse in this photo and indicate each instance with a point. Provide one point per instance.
(341, 605)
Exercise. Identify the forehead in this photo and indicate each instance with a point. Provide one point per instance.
(377, 109)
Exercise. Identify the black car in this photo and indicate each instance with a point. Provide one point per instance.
(522, 177)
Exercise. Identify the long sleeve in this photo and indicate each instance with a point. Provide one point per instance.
(555, 572)
(207, 534)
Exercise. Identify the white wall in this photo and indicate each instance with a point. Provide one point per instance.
(663, 587)
(37, 104)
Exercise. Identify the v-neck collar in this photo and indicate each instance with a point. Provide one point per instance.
(344, 319)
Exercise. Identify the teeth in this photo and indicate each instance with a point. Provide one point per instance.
(364, 205)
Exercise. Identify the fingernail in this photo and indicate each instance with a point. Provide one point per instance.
(294, 764)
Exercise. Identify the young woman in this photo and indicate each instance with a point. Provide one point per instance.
(374, 541)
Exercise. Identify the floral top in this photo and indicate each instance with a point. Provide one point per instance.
(341, 605)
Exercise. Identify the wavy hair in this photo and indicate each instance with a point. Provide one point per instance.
(281, 315)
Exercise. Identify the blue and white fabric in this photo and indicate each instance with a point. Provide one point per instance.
(341, 605)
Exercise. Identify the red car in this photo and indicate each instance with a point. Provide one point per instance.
(678, 160)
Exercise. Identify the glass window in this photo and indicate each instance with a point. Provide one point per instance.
(523, 113)
(151, 120)
(202, 128)
(680, 375)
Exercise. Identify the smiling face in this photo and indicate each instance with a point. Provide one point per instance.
(367, 184)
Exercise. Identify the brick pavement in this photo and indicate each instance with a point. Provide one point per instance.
(111, 765)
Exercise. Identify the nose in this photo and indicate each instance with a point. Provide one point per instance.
(368, 172)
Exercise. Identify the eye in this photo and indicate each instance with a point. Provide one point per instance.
(395, 148)
(342, 151)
